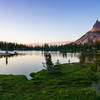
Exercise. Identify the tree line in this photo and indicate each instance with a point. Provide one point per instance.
(69, 47)
(14, 46)
(62, 48)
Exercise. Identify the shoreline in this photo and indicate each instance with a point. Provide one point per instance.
(7, 54)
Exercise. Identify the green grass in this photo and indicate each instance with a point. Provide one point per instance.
(71, 82)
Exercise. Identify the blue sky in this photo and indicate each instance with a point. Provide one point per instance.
(31, 21)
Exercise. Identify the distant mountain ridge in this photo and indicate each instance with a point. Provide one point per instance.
(52, 43)
(91, 37)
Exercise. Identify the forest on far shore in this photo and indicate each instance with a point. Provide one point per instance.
(62, 48)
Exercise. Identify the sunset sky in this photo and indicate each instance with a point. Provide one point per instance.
(32, 21)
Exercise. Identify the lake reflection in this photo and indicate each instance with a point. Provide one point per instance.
(31, 61)
(88, 58)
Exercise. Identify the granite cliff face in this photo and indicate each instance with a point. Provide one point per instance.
(91, 37)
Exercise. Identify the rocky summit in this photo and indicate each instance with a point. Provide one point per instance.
(92, 36)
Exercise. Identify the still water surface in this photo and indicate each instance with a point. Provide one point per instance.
(31, 61)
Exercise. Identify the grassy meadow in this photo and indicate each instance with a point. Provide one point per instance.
(67, 82)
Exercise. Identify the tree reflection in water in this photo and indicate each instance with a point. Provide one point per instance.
(10, 56)
(88, 58)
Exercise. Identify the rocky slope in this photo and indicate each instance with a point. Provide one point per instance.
(91, 37)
